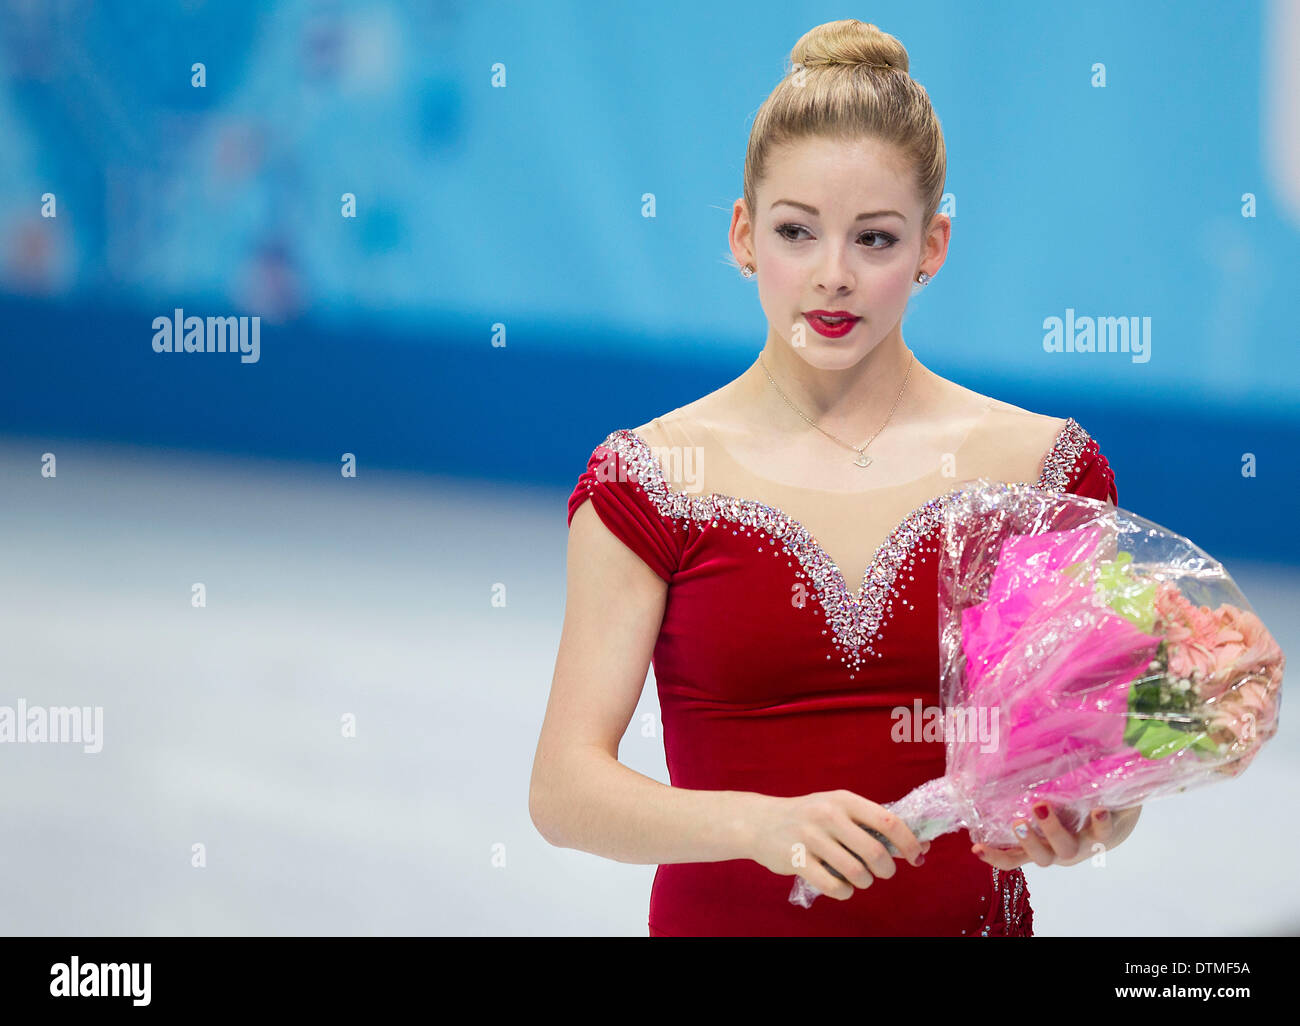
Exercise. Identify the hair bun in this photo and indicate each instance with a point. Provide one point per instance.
(849, 42)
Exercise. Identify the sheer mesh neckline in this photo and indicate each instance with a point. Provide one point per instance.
(718, 449)
(853, 614)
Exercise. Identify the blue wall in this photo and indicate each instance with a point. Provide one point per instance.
(522, 206)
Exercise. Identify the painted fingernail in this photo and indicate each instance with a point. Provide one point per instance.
(1040, 811)
(1102, 813)
(1022, 830)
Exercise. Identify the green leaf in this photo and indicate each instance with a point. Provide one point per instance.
(1131, 597)
(1156, 739)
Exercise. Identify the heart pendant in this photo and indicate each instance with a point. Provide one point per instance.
(863, 460)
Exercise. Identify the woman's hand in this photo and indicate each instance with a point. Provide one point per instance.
(1056, 846)
(829, 829)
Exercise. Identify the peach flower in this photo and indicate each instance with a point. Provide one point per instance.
(1244, 717)
(1214, 649)
(1261, 649)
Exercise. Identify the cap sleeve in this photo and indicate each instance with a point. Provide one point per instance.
(1076, 464)
(619, 473)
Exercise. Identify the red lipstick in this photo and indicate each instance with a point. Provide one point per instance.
(840, 324)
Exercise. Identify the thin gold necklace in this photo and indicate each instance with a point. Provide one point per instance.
(862, 460)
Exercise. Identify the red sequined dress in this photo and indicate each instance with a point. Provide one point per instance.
(775, 676)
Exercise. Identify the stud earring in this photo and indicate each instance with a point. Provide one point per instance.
(747, 271)
(924, 278)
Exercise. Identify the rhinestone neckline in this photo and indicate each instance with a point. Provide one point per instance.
(854, 618)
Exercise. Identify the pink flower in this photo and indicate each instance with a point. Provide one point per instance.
(1191, 634)
(1214, 649)
(1234, 665)
(1244, 717)
(1261, 649)
(1246, 714)
(1246, 647)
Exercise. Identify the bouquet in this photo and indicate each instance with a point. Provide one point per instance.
(1088, 658)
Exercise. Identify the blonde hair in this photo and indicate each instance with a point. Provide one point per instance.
(848, 80)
